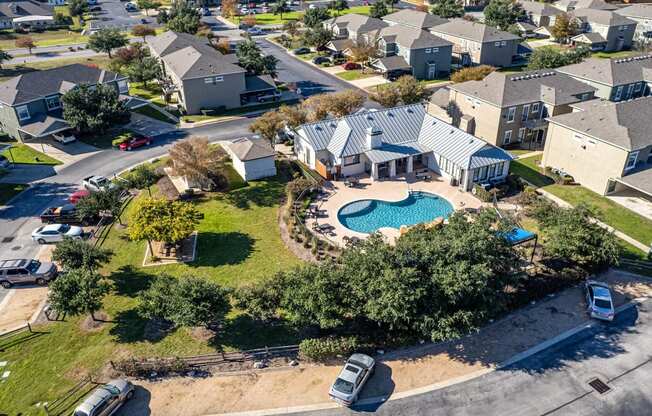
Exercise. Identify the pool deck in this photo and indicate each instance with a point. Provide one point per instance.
(395, 189)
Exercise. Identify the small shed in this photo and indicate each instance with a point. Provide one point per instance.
(252, 158)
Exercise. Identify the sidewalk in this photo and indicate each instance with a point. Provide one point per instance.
(401, 373)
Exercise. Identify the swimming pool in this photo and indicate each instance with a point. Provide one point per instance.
(368, 215)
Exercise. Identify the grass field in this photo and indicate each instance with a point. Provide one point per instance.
(152, 112)
(10, 190)
(238, 243)
(622, 219)
(21, 153)
(47, 38)
(355, 74)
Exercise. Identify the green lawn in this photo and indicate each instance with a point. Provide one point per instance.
(21, 153)
(355, 74)
(238, 243)
(10, 190)
(103, 140)
(10, 71)
(620, 54)
(518, 152)
(622, 219)
(152, 112)
(47, 38)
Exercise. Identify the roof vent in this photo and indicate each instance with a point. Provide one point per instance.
(374, 137)
(409, 110)
(369, 117)
(318, 128)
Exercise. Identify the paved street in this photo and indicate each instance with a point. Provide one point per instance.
(554, 382)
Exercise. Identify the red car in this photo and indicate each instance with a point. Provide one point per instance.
(136, 141)
(351, 65)
(77, 195)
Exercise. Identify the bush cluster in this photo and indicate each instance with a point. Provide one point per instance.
(323, 349)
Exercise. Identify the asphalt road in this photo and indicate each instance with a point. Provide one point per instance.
(553, 382)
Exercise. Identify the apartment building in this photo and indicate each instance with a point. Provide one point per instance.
(25, 14)
(414, 19)
(570, 5)
(352, 26)
(642, 15)
(540, 14)
(603, 30)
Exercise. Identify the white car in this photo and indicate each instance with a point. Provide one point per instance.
(255, 31)
(54, 233)
(64, 137)
(312, 6)
(598, 300)
(356, 372)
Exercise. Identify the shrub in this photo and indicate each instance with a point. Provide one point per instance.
(474, 73)
(323, 349)
(482, 194)
(296, 186)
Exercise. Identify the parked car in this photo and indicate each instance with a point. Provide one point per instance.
(135, 142)
(65, 214)
(53, 233)
(273, 96)
(598, 300)
(301, 51)
(131, 7)
(144, 21)
(23, 271)
(312, 6)
(352, 378)
(349, 66)
(97, 183)
(206, 11)
(77, 195)
(106, 399)
(266, 9)
(320, 60)
(4, 162)
(64, 137)
(255, 31)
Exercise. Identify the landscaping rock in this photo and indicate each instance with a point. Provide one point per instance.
(260, 364)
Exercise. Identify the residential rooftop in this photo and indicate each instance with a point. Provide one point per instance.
(602, 17)
(506, 90)
(640, 11)
(247, 149)
(415, 19)
(539, 9)
(612, 71)
(410, 37)
(585, 4)
(357, 23)
(473, 31)
(21, 8)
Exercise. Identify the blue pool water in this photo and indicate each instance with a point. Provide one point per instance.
(368, 215)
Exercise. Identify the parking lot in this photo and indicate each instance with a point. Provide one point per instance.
(112, 13)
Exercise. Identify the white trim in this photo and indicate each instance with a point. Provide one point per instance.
(633, 156)
(18, 113)
(511, 114)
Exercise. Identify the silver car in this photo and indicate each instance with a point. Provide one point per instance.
(598, 300)
(106, 399)
(53, 233)
(352, 378)
(24, 271)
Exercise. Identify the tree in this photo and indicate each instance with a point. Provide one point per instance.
(392, 3)
(162, 17)
(223, 46)
(197, 161)
(316, 107)
(503, 13)
(141, 177)
(148, 5)
(338, 6)
(317, 36)
(125, 56)
(385, 96)
(249, 20)
(448, 9)
(77, 7)
(77, 254)
(162, 220)
(143, 70)
(183, 17)
(313, 17)
(405, 90)
(229, 8)
(26, 42)
(363, 51)
(106, 201)
(107, 39)
(252, 59)
(345, 102)
(551, 57)
(4, 56)
(62, 20)
(280, 7)
(564, 28)
(293, 116)
(267, 125)
(472, 73)
(93, 109)
(378, 9)
(143, 31)
(77, 292)
(291, 27)
(189, 301)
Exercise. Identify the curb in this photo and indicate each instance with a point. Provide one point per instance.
(437, 386)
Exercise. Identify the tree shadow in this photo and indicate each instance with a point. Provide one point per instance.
(20, 339)
(244, 333)
(218, 249)
(266, 194)
(129, 281)
(130, 327)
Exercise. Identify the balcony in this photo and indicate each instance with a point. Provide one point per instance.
(535, 123)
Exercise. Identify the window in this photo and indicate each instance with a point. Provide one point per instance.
(213, 80)
(510, 114)
(521, 134)
(492, 171)
(351, 160)
(435, 50)
(637, 86)
(503, 43)
(123, 87)
(23, 112)
(507, 138)
(482, 175)
(585, 96)
(428, 50)
(578, 138)
(535, 109)
(631, 160)
(630, 90)
(53, 102)
(526, 111)
(499, 168)
(497, 44)
(619, 93)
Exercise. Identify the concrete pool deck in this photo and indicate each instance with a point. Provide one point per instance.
(392, 190)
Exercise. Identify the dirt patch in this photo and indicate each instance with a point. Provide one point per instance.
(201, 333)
(91, 325)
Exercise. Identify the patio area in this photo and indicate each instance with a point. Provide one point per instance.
(339, 194)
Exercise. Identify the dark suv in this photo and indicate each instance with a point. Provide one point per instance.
(23, 271)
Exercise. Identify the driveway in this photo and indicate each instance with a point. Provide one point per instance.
(148, 126)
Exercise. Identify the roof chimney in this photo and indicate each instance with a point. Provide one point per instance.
(374, 137)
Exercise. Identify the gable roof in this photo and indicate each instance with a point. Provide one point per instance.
(410, 38)
(601, 17)
(641, 11)
(40, 84)
(584, 4)
(589, 37)
(623, 124)
(474, 31)
(612, 72)
(414, 19)
(20, 8)
(358, 23)
(403, 130)
(539, 9)
(247, 149)
(506, 90)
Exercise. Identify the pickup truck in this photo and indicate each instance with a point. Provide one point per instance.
(97, 183)
(65, 214)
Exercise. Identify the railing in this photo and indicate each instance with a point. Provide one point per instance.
(63, 404)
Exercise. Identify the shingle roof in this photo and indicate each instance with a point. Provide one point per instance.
(39, 84)
(612, 71)
(602, 17)
(391, 63)
(357, 23)
(539, 9)
(415, 19)
(259, 83)
(404, 130)
(640, 180)
(641, 11)
(585, 4)
(625, 124)
(474, 31)
(590, 37)
(506, 90)
(247, 149)
(13, 9)
(411, 38)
